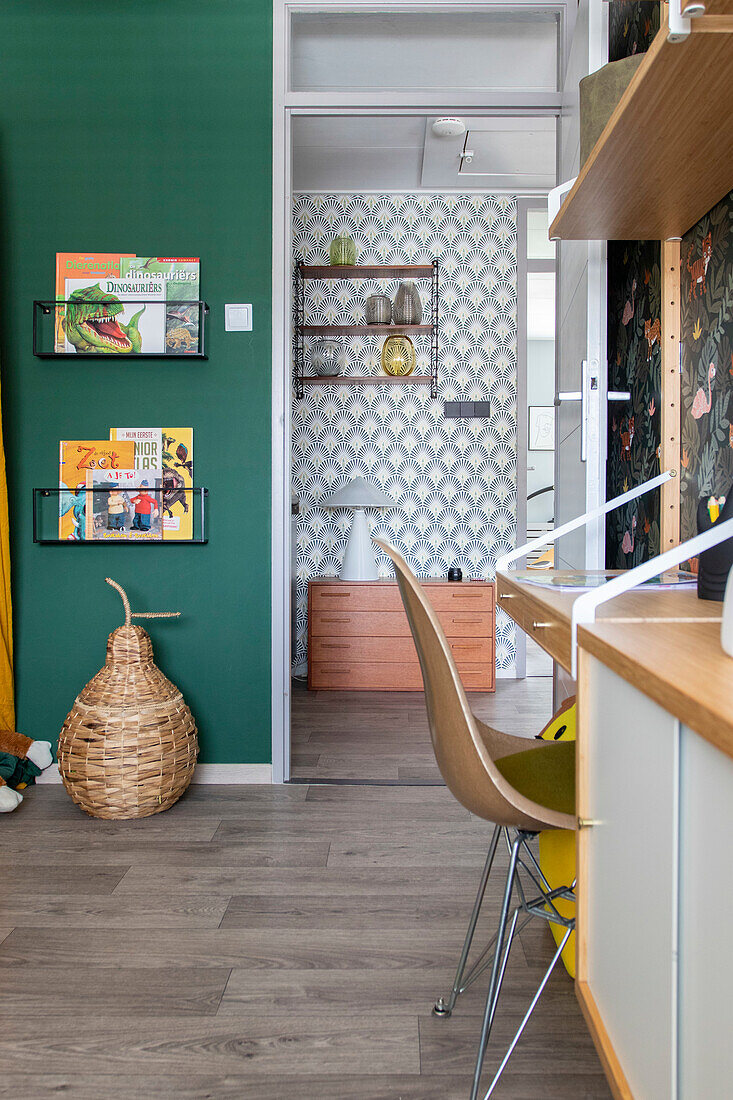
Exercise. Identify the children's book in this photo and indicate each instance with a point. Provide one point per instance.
(126, 504)
(79, 460)
(177, 477)
(75, 270)
(176, 462)
(177, 322)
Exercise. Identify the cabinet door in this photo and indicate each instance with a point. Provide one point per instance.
(706, 905)
(628, 784)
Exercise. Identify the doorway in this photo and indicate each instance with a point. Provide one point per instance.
(375, 145)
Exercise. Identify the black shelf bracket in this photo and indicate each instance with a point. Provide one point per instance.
(45, 333)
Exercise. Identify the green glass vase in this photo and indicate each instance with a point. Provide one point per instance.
(342, 251)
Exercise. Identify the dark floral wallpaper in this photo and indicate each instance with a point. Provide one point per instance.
(634, 356)
(634, 364)
(707, 361)
(632, 25)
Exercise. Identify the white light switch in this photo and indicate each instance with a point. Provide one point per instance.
(238, 318)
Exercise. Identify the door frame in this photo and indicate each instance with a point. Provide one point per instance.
(287, 103)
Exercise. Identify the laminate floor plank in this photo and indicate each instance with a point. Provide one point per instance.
(127, 991)
(249, 1046)
(261, 851)
(50, 879)
(169, 911)
(264, 947)
(216, 1086)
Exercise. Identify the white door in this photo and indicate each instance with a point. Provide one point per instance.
(580, 375)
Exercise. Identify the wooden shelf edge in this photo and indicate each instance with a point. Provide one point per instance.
(667, 219)
(367, 380)
(366, 271)
(374, 330)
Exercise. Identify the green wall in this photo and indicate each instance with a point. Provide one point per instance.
(142, 127)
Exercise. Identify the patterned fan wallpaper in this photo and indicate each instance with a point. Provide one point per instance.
(634, 427)
(707, 361)
(453, 481)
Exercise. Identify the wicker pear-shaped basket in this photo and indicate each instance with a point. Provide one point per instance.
(128, 746)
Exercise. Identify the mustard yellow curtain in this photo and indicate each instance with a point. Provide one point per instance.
(7, 699)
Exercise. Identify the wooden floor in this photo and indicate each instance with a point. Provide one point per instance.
(384, 735)
(263, 943)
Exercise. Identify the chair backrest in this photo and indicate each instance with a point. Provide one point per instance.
(463, 756)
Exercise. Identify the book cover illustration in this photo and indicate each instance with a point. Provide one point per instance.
(129, 505)
(83, 268)
(177, 477)
(148, 446)
(79, 459)
(178, 323)
(175, 446)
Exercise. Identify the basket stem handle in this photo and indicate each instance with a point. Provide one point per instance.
(139, 614)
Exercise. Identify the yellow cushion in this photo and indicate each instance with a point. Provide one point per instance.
(557, 847)
(544, 774)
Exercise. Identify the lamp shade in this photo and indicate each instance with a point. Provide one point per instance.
(359, 493)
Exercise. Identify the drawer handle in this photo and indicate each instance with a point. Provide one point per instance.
(541, 626)
(465, 620)
(471, 595)
(337, 620)
(588, 822)
(332, 645)
(335, 595)
(338, 671)
(457, 645)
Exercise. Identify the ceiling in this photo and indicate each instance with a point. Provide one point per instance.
(392, 152)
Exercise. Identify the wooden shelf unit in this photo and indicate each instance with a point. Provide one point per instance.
(665, 156)
(304, 272)
(366, 380)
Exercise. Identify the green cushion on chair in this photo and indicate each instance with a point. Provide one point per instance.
(545, 775)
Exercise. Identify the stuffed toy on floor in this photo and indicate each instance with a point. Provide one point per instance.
(21, 760)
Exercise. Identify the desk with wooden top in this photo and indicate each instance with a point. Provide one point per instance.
(655, 804)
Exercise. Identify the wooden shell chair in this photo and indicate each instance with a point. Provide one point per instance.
(520, 785)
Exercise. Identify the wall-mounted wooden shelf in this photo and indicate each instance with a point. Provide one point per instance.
(367, 380)
(665, 156)
(304, 272)
(373, 330)
(367, 271)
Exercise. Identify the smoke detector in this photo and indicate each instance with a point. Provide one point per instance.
(449, 127)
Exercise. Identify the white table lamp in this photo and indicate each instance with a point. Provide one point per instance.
(359, 563)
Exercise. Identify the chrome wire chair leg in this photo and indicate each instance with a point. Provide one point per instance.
(529, 1012)
(499, 963)
(440, 1007)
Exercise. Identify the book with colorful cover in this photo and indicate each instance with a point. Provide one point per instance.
(126, 504)
(177, 323)
(80, 269)
(177, 472)
(79, 460)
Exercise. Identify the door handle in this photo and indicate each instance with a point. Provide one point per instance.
(582, 396)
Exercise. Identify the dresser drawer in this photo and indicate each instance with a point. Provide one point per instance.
(395, 650)
(386, 597)
(393, 624)
(381, 676)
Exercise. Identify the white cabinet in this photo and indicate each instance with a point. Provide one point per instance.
(705, 911)
(655, 888)
(627, 922)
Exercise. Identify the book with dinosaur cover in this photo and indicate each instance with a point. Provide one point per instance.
(79, 460)
(176, 462)
(116, 304)
(87, 268)
(178, 322)
(126, 504)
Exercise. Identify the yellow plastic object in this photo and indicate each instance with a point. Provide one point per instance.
(398, 356)
(557, 847)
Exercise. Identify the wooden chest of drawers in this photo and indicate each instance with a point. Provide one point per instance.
(359, 638)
